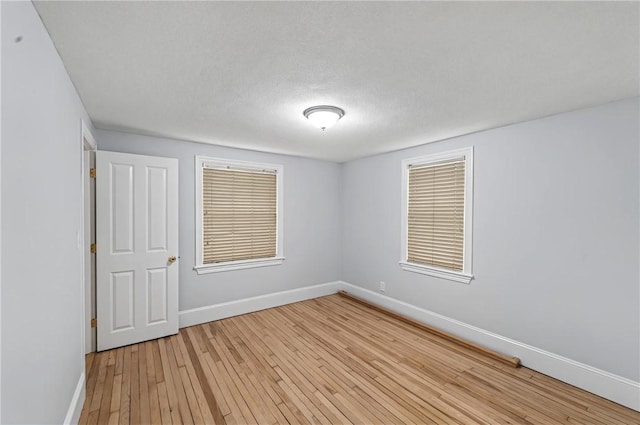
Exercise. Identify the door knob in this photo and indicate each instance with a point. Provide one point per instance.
(172, 259)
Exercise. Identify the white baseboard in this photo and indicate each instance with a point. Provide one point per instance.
(608, 385)
(210, 313)
(77, 401)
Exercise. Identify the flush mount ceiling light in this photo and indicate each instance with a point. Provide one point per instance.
(323, 116)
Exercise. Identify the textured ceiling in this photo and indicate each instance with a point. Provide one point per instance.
(241, 73)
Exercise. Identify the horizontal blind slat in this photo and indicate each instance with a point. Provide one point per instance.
(239, 215)
(435, 218)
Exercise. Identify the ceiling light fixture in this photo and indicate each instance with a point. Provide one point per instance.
(323, 116)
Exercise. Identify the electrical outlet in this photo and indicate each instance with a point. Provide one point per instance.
(383, 286)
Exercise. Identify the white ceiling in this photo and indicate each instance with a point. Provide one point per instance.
(241, 73)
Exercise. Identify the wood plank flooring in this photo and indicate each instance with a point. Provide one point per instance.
(324, 361)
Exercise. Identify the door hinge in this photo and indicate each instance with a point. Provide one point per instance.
(94, 323)
(92, 173)
(94, 248)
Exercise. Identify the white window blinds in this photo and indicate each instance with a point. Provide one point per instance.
(435, 222)
(239, 214)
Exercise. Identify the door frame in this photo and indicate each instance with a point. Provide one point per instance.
(87, 144)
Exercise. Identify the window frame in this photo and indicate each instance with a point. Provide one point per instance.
(200, 267)
(466, 275)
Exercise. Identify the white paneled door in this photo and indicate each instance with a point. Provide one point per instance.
(137, 248)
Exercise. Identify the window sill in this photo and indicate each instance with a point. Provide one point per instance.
(436, 272)
(237, 265)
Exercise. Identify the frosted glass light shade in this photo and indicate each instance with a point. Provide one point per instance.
(323, 116)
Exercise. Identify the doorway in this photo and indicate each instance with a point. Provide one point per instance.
(89, 239)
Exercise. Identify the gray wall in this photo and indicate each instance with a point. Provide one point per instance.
(311, 221)
(555, 235)
(42, 353)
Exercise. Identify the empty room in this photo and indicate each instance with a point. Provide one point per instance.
(256, 212)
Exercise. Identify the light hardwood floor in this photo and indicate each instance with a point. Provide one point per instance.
(328, 361)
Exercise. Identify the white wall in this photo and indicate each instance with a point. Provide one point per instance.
(311, 221)
(555, 243)
(42, 353)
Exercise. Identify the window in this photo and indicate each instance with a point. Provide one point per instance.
(437, 211)
(238, 215)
